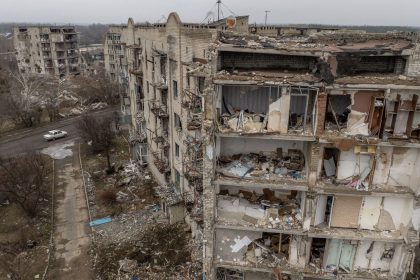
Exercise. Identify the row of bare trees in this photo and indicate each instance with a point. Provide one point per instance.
(25, 96)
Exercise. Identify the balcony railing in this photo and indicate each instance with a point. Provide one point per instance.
(160, 110)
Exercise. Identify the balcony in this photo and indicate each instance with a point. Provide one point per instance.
(138, 136)
(161, 162)
(160, 110)
(136, 70)
(194, 205)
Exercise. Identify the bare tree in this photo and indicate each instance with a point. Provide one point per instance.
(22, 180)
(99, 130)
(98, 88)
(23, 101)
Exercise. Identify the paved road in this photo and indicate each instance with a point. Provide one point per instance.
(71, 225)
(31, 139)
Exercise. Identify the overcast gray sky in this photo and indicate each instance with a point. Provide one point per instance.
(343, 12)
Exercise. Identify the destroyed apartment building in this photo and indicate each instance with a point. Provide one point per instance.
(291, 153)
(52, 50)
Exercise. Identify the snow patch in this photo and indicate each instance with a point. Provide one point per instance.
(59, 151)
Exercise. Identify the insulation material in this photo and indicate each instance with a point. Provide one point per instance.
(351, 164)
(370, 212)
(321, 206)
(226, 238)
(345, 211)
(274, 116)
(363, 255)
(356, 124)
(240, 243)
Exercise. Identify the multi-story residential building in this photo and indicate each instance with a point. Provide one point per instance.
(50, 50)
(292, 154)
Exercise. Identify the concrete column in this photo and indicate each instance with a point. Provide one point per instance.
(320, 112)
(285, 110)
(209, 193)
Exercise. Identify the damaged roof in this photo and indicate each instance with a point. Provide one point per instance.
(329, 41)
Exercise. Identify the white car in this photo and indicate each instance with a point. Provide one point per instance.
(55, 134)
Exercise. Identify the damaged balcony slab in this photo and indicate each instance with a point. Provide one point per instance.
(221, 225)
(265, 77)
(268, 135)
(283, 184)
(354, 234)
(375, 190)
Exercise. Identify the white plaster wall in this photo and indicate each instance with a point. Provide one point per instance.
(383, 165)
(400, 209)
(416, 219)
(376, 262)
(231, 146)
(399, 260)
(403, 163)
(321, 206)
(370, 211)
(350, 164)
(361, 259)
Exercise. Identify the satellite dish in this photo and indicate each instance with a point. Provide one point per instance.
(231, 22)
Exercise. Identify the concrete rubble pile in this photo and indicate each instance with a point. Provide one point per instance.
(265, 165)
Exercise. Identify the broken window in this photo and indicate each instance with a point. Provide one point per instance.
(175, 89)
(400, 115)
(302, 101)
(177, 121)
(177, 150)
(317, 252)
(258, 61)
(338, 110)
(177, 178)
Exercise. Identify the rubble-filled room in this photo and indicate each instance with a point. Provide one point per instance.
(254, 248)
(266, 109)
(261, 208)
(261, 159)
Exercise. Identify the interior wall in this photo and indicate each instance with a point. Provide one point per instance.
(370, 211)
(345, 211)
(348, 164)
(362, 258)
(232, 146)
(402, 168)
(255, 99)
(400, 209)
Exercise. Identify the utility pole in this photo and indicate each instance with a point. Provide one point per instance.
(266, 14)
(219, 2)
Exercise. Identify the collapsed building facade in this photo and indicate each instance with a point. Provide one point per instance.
(290, 152)
(52, 50)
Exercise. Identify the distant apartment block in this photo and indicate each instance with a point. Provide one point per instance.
(50, 50)
(292, 153)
